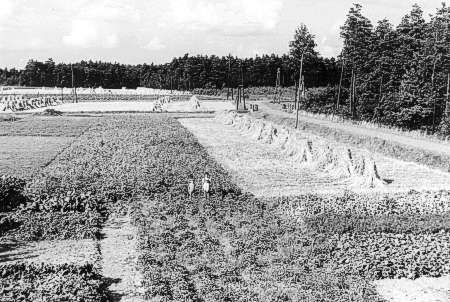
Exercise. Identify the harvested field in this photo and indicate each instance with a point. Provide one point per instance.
(419, 150)
(137, 107)
(264, 170)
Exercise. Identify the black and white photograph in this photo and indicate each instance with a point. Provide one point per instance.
(224, 150)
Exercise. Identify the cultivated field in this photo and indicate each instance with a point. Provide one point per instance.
(291, 217)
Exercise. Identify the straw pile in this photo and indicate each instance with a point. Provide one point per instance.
(194, 102)
(313, 152)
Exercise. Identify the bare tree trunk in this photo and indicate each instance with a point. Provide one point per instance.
(354, 97)
(339, 90)
(433, 96)
(351, 93)
(435, 58)
(447, 105)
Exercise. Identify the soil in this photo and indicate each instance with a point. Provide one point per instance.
(419, 290)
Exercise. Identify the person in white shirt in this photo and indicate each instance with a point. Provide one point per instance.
(206, 185)
(191, 186)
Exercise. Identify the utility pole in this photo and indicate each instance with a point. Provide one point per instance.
(74, 88)
(229, 78)
(242, 84)
(296, 94)
(300, 95)
(277, 87)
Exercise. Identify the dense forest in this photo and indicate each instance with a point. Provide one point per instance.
(184, 73)
(394, 75)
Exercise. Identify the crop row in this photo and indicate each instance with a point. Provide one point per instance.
(405, 235)
(51, 283)
(231, 247)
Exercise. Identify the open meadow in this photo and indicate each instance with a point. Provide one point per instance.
(95, 208)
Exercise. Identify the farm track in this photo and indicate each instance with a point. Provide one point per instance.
(119, 259)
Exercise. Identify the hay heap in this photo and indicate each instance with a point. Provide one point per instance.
(313, 152)
(194, 102)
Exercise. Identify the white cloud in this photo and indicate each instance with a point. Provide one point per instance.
(155, 44)
(90, 33)
(101, 24)
(230, 17)
(6, 9)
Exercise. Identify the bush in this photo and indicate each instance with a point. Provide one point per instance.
(11, 193)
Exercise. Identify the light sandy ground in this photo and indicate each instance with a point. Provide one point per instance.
(119, 259)
(53, 252)
(443, 148)
(136, 107)
(419, 290)
(262, 169)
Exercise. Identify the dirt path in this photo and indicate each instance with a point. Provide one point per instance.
(436, 147)
(419, 290)
(119, 260)
(263, 170)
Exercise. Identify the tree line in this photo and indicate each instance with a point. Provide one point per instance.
(394, 75)
(397, 75)
(183, 73)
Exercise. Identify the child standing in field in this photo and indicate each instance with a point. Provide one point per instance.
(206, 184)
(191, 186)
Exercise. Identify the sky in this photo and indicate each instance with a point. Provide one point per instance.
(146, 31)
